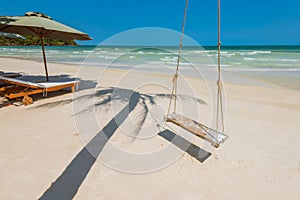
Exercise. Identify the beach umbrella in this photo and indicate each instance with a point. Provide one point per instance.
(38, 24)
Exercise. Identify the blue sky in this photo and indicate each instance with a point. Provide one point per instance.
(256, 22)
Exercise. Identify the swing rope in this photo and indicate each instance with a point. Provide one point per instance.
(219, 82)
(175, 76)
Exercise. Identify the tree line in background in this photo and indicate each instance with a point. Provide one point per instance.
(33, 41)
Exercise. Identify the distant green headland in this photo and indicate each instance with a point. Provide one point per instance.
(33, 41)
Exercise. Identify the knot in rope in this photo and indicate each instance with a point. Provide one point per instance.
(220, 84)
(174, 79)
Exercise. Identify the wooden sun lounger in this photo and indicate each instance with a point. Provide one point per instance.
(198, 129)
(18, 88)
(8, 75)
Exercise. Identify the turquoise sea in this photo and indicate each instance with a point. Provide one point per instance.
(278, 65)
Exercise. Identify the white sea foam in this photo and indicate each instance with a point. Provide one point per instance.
(264, 52)
(172, 63)
(229, 54)
(262, 70)
(276, 60)
(245, 58)
(232, 59)
(164, 53)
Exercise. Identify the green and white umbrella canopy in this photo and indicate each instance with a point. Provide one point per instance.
(38, 24)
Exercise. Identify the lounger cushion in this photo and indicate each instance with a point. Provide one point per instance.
(39, 85)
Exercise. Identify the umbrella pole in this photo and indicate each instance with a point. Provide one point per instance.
(44, 57)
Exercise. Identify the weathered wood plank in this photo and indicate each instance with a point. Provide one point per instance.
(208, 134)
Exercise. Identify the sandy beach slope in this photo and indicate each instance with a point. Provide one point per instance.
(44, 154)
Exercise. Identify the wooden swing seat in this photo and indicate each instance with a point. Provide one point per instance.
(208, 134)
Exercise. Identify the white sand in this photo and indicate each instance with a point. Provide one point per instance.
(260, 160)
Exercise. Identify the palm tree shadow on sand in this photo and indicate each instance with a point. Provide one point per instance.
(67, 184)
